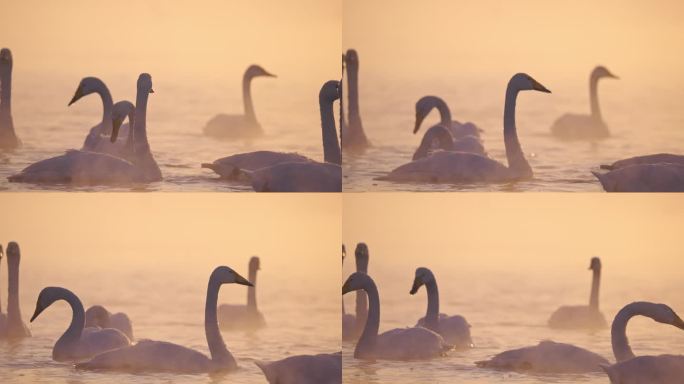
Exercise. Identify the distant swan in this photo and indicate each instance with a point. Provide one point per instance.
(99, 316)
(351, 134)
(663, 177)
(631, 369)
(162, 356)
(76, 343)
(438, 137)
(396, 344)
(325, 368)
(238, 316)
(8, 137)
(454, 329)
(353, 325)
(585, 127)
(457, 129)
(583, 316)
(308, 176)
(462, 167)
(239, 126)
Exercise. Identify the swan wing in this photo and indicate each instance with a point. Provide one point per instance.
(644, 178)
(298, 177)
(450, 167)
(647, 159)
(410, 344)
(304, 369)
(123, 323)
(663, 369)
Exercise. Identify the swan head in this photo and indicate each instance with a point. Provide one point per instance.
(351, 58)
(663, 314)
(361, 256)
(97, 316)
(256, 71)
(355, 282)
(226, 275)
(120, 110)
(254, 263)
(595, 264)
(145, 83)
(330, 91)
(87, 86)
(601, 71)
(525, 82)
(423, 276)
(13, 252)
(423, 107)
(5, 57)
(46, 297)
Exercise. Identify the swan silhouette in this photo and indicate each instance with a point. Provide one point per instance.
(99, 316)
(664, 177)
(458, 130)
(352, 135)
(232, 316)
(78, 343)
(397, 344)
(8, 137)
(454, 329)
(353, 325)
(348, 320)
(3, 317)
(659, 158)
(585, 127)
(103, 130)
(123, 144)
(439, 137)
(308, 176)
(462, 167)
(583, 316)
(324, 368)
(14, 327)
(631, 369)
(162, 356)
(239, 126)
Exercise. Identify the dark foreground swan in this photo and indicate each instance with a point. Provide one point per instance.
(8, 137)
(663, 177)
(352, 325)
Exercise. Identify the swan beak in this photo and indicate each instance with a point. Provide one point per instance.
(151, 90)
(679, 323)
(77, 95)
(614, 77)
(269, 74)
(416, 285)
(419, 121)
(346, 288)
(241, 280)
(39, 309)
(116, 124)
(538, 87)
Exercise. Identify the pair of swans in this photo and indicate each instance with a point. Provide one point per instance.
(89, 167)
(99, 316)
(585, 127)
(8, 137)
(463, 167)
(271, 171)
(415, 343)
(239, 126)
(352, 136)
(352, 325)
(248, 317)
(12, 327)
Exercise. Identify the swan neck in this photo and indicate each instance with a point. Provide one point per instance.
(247, 97)
(13, 309)
(130, 139)
(107, 106)
(141, 145)
(353, 92)
(219, 353)
(365, 347)
(6, 89)
(432, 314)
(331, 145)
(251, 291)
(444, 112)
(618, 334)
(593, 97)
(595, 284)
(514, 153)
(72, 335)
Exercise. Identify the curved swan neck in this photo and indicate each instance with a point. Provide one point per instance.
(432, 314)
(247, 97)
(251, 291)
(443, 108)
(130, 139)
(219, 353)
(6, 89)
(618, 331)
(353, 89)
(331, 145)
(73, 333)
(365, 347)
(13, 309)
(140, 143)
(107, 106)
(593, 97)
(595, 284)
(514, 153)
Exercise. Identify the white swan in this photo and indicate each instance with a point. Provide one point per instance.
(352, 136)
(630, 369)
(14, 327)
(308, 176)
(162, 356)
(76, 343)
(582, 316)
(585, 127)
(103, 130)
(99, 316)
(8, 137)
(239, 126)
(460, 167)
(658, 158)
(439, 137)
(324, 368)
(454, 329)
(238, 316)
(458, 130)
(643, 178)
(121, 145)
(232, 167)
(396, 344)
(353, 325)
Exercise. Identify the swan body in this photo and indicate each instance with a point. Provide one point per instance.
(397, 344)
(660, 158)
(352, 134)
(352, 325)
(458, 130)
(325, 368)
(454, 329)
(582, 316)
(99, 316)
(75, 344)
(231, 167)
(585, 127)
(462, 167)
(247, 316)
(161, 356)
(644, 178)
(8, 137)
(440, 138)
(239, 126)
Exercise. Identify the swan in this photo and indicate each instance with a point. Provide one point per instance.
(14, 327)
(324, 368)
(355, 323)
(232, 167)
(643, 178)
(459, 167)
(3, 317)
(232, 316)
(308, 176)
(239, 126)
(99, 316)
(439, 137)
(78, 343)
(585, 127)
(8, 137)
(98, 133)
(162, 356)
(630, 369)
(458, 130)
(583, 316)
(454, 329)
(352, 135)
(396, 344)
(659, 158)
(348, 320)
(122, 146)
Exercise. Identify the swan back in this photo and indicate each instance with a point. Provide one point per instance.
(647, 369)
(304, 369)
(438, 133)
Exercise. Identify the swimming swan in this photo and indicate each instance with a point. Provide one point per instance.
(232, 167)
(8, 137)
(662, 177)
(458, 130)
(78, 343)
(162, 356)
(324, 368)
(659, 158)
(630, 369)
(439, 137)
(396, 344)
(355, 323)
(585, 127)
(122, 146)
(460, 167)
(308, 176)
(348, 320)
(351, 134)
(14, 327)
(99, 316)
(454, 329)
(239, 126)
(238, 316)
(103, 130)
(582, 316)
